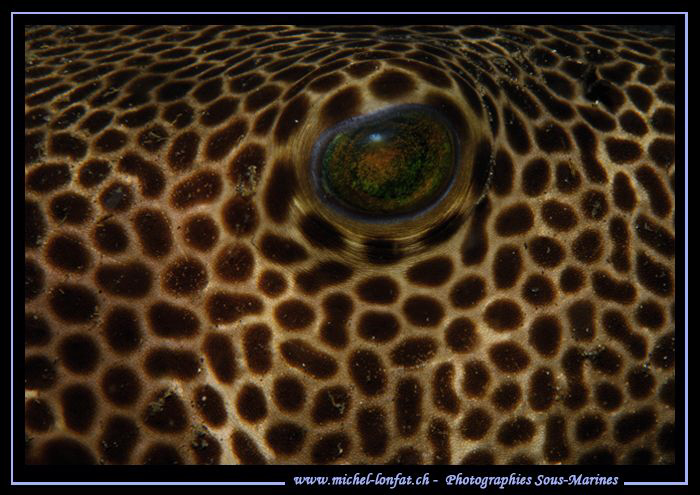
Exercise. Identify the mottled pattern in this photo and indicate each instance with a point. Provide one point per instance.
(189, 300)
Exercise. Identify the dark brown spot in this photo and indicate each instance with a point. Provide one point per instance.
(280, 190)
(220, 353)
(210, 405)
(558, 216)
(117, 197)
(476, 378)
(606, 361)
(289, 393)
(503, 172)
(73, 303)
(542, 389)
(507, 266)
(662, 152)
(545, 335)
(223, 141)
(444, 396)
(632, 425)
(213, 115)
(650, 314)
(608, 288)
(331, 404)
(382, 251)
(79, 407)
(70, 208)
(93, 173)
(594, 205)
(224, 307)
(516, 431)
(282, 250)
(185, 276)
(379, 290)
(546, 251)
(656, 277)
(65, 144)
(164, 362)
(514, 220)
(46, 178)
(587, 247)
(571, 279)
(423, 311)
(378, 326)
(655, 236)
(262, 97)
(414, 351)
(633, 123)
(153, 229)
(664, 353)
(201, 232)
(165, 413)
(234, 263)
(599, 119)
(150, 176)
(251, 404)
(391, 84)
(308, 359)
(516, 131)
(432, 272)
(552, 138)
(130, 280)
(506, 396)
(374, 436)
(294, 314)
(291, 118)
(68, 253)
(161, 454)
(661, 203)
(408, 406)
(320, 233)
(509, 357)
(272, 283)
(640, 96)
(240, 216)
(36, 330)
(587, 145)
(330, 448)
(475, 424)
(367, 371)
(341, 106)
(461, 335)
(538, 290)
(322, 275)
(622, 150)
(170, 321)
(79, 353)
(503, 314)
(623, 192)
(202, 187)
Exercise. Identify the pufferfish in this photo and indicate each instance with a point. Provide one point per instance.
(349, 244)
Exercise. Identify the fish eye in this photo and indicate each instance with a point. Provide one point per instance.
(388, 165)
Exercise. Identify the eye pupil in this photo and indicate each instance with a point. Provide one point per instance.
(390, 164)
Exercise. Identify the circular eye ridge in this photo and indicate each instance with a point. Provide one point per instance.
(395, 162)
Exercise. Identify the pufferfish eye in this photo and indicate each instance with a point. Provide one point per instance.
(384, 166)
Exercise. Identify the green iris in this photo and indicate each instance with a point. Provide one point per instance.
(398, 163)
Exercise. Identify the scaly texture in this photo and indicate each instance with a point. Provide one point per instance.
(188, 301)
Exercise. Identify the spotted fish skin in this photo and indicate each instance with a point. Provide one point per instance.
(189, 300)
